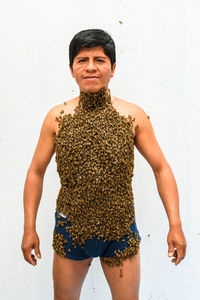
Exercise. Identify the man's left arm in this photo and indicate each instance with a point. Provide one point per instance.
(147, 145)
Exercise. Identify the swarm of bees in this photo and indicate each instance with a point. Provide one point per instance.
(95, 162)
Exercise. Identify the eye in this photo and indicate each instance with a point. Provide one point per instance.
(101, 60)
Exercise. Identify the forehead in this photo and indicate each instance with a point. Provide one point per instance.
(97, 50)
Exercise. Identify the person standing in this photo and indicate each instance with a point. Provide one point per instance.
(93, 136)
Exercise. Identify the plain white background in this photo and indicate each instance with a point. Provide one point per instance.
(157, 47)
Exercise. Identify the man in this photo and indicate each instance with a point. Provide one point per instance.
(93, 136)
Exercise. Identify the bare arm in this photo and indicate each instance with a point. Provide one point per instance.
(33, 187)
(147, 145)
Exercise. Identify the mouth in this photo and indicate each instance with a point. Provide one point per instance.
(91, 77)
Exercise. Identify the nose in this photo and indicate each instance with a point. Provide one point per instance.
(91, 65)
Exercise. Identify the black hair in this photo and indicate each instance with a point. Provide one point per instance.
(91, 38)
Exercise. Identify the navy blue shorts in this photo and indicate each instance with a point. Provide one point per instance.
(92, 247)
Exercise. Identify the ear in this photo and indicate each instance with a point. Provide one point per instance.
(71, 69)
(113, 70)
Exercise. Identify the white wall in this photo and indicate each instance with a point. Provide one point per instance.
(158, 68)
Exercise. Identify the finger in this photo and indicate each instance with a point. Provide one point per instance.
(180, 256)
(34, 260)
(29, 257)
(175, 256)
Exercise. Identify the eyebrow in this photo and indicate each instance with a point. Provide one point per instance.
(94, 57)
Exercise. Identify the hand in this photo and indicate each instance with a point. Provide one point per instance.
(177, 244)
(30, 241)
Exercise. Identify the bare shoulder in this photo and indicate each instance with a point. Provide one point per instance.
(56, 112)
(139, 115)
(63, 108)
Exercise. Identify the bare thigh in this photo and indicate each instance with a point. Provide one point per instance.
(126, 287)
(68, 277)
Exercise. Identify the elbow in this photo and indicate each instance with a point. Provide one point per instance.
(33, 171)
(160, 168)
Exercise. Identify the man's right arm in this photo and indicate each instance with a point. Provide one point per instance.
(34, 184)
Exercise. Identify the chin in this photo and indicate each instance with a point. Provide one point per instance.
(91, 89)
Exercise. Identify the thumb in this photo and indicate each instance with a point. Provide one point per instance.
(37, 251)
(171, 250)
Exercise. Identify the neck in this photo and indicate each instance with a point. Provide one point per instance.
(95, 100)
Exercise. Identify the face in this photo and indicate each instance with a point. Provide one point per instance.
(92, 69)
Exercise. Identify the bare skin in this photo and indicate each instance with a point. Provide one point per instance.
(126, 287)
(147, 145)
(65, 268)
